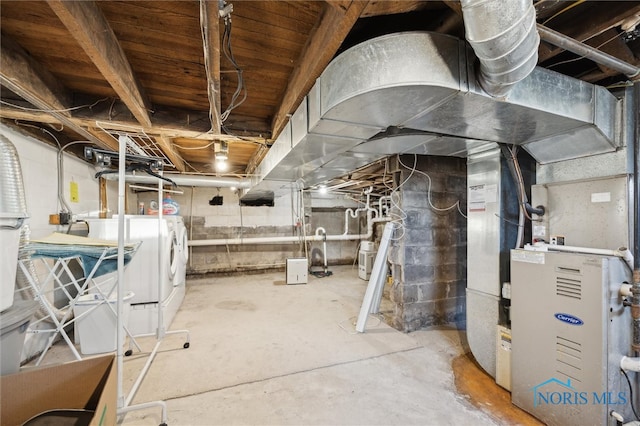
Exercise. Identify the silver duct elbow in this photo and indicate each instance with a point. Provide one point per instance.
(503, 36)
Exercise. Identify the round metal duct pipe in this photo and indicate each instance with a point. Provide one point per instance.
(503, 36)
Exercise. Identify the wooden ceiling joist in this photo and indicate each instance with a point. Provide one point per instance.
(609, 15)
(323, 43)
(90, 29)
(167, 147)
(211, 39)
(167, 129)
(29, 80)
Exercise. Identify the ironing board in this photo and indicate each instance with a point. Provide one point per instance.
(97, 258)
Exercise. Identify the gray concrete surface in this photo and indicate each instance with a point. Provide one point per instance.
(265, 353)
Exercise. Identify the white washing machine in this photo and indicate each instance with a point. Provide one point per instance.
(166, 238)
(142, 273)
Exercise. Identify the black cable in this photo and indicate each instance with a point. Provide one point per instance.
(320, 274)
(228, 53)
(633, 408)
(138, 168)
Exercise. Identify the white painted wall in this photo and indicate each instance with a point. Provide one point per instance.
(38, 162)
(195, 202)
(39, 172)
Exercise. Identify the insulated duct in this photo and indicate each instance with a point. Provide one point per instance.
(504, 38)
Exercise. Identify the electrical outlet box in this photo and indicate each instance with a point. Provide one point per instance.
(296, 271)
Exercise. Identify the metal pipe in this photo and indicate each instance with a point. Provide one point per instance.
(635, 300)
(598, 56)
(189, 180)
(504, 38)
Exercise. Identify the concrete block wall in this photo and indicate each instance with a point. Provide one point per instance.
(428, 256)
(230, 220)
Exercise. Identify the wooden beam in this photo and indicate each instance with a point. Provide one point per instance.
(166, 145)
(255, 159)
(23, 70)
(209, 20)
(324, 41)
(28, 79)
(609, 42)
(107, 140)
(103, 205)
(167, 129)
(342, 5)
(600, 17)
(454, 5)
(90, 28)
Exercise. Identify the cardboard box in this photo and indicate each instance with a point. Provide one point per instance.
(89, 384)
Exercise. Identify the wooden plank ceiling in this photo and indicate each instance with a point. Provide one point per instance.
(170, 69)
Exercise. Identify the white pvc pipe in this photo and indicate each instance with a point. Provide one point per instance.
(122, 153)
(622, 252)
(630, 364)
(289, 239)
(189, 180)
(625, 290)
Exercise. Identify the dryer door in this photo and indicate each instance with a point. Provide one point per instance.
(174, 254)
(184, 245)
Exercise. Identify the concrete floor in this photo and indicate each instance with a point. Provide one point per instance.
(271, 354)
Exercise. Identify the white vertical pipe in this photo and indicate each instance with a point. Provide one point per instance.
(161, 258)
(122, 153)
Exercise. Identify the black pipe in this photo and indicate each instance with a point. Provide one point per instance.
(534, 210)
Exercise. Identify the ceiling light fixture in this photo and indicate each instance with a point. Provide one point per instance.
(222, 151)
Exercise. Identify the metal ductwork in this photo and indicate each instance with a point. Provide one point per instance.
(417, 93)
(504, 38)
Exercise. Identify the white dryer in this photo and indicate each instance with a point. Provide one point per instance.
(163, 242)
(179, 250)
(159, 246)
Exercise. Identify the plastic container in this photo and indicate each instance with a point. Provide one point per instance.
(10, 224)
(367, 246)
(97, 324)
(14, 322)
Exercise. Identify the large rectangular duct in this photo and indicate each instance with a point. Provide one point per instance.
(423, 85)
